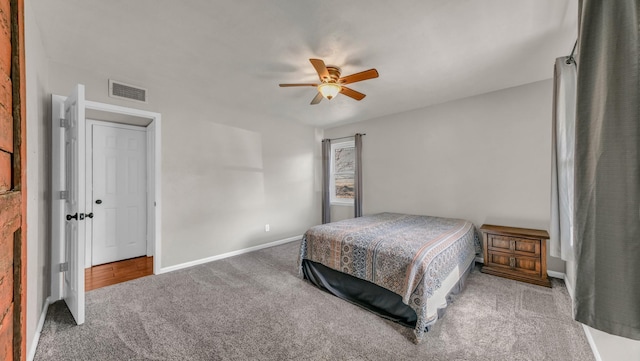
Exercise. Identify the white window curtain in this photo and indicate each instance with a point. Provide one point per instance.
(562, 159)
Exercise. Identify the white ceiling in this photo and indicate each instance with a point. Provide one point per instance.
(236, 52)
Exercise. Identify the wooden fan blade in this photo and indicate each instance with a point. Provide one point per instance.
(317, 99)
(288, 85)
(363, 75)
(321, 69)
(352, 93)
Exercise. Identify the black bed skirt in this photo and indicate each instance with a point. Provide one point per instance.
(368, 295)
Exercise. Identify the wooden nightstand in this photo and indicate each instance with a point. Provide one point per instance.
(516, 253)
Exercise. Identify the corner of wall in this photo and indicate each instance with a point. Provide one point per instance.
(37, 84)
(36, 337)
(605, 347)
(592, 343)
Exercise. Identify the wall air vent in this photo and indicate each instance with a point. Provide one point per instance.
(125, 91)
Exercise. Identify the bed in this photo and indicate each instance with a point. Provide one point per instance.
(399, 266)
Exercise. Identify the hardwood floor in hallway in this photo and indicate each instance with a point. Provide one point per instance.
(117, 272)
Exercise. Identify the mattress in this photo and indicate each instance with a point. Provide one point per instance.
(418, 258)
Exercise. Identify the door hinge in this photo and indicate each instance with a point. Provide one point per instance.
(64, 194)
(64, 123)
(64, 267)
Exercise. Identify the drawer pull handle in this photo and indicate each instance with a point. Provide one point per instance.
(512, 262)
(513, 245)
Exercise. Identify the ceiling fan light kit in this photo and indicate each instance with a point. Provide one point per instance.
(331, 83)
(329, 90)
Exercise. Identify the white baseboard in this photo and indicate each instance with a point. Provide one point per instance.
(569, 285)
(228, 254)
(555, 274)
(585, 328)
(592, 343)
(36, 337)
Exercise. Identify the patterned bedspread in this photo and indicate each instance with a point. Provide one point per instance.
(406, 254)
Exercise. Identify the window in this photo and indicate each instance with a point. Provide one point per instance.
(342, 168)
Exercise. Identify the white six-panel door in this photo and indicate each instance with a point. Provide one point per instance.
(119, 193)
(74, 193)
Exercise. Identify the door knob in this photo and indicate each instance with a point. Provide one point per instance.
(98, 201)
(90, 215)
(70, 217)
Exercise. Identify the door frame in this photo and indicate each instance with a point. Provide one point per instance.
(89, 184)
(154, 187)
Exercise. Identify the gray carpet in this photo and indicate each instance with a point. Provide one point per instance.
(254, 307)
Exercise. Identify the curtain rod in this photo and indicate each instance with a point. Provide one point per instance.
(570, 58)
(350, 136)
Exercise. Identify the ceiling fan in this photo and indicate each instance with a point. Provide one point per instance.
(331, 83)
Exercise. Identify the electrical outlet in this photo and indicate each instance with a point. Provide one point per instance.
(266, 228)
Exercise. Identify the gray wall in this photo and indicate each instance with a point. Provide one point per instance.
(38, 169)
(483, 158)
(225, 172)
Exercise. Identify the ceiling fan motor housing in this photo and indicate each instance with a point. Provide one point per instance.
(334, 74)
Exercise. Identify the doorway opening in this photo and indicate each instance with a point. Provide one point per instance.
(117, 246)
(79, 213)
(117, 272)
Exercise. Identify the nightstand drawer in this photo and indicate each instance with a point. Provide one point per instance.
(520, 246)
(509, 261)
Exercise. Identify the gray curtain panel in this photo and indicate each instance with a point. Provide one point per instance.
(326, 163)
(607, 169)
(357, 197)
(562, 159)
